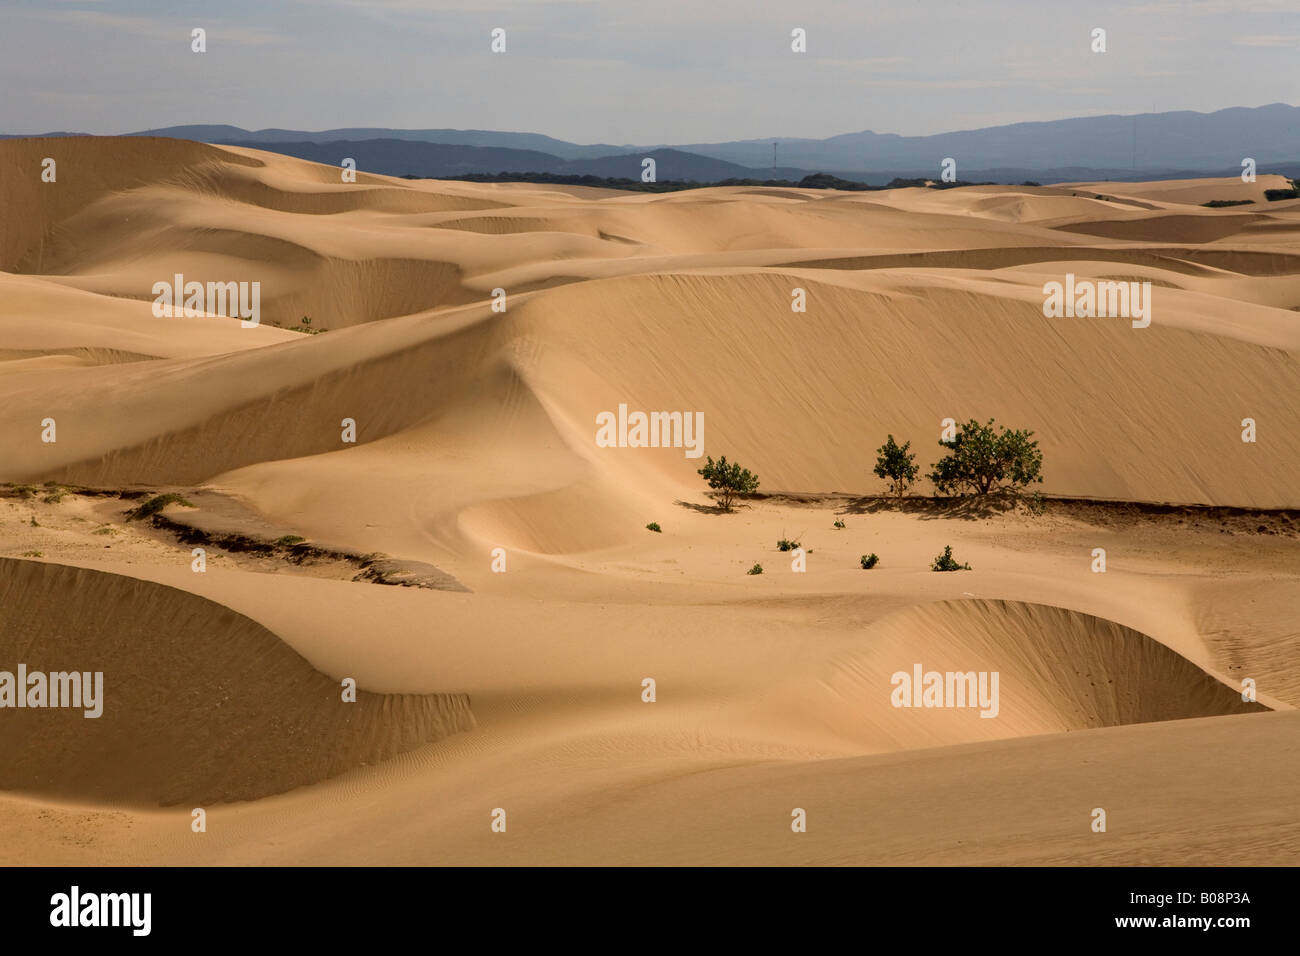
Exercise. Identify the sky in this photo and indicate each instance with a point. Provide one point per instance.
(634, 71)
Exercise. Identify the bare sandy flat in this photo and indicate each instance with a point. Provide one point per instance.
(480, 567)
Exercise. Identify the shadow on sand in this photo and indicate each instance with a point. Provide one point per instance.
(970, 508)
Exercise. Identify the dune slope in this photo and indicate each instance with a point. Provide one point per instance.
(199, 704)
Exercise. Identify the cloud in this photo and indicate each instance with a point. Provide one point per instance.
(1274, 41)
(173, 30)
(1211, 8)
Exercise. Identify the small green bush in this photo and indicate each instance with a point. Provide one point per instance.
(54, 494)
(785, 544)
(839, 525)
(869, 561)
(289, 540)
(33, 554)
(946, 562)
(157, 504)
(980, 460)
(654, 526)
(898, 464)
(756, 569)
(305, 327)
(728, 480)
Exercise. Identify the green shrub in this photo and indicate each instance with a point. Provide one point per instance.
(728, 480)
(869, 561)
(896, 463)
(946, 562)
(1221, 203)
(306, 327)
(654, 526)
(289, 540)
(785, 544)
(33, 554)
(157, 504)
(756, 569)
(839, 525)
(980, 460)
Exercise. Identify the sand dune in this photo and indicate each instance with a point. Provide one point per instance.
(474, 431)
(1059, 671)
(200, 704)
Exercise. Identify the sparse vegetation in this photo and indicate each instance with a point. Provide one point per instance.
(811, 181)
(785, 544)
(25, 491)
(54, 494)
(157, 504)
(728, 480)
(756, 569)
(896, 463)
(1221, 203)
(289, 540)
(33, 554)
(980, 460)
(654, 526)
(106, 529)
(306, 328)
(869, 561)
(839, 525)
(946, 562)
(1273, 195)
(34, 523)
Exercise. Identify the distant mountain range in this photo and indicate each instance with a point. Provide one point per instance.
(397, 157)
(1146, 146)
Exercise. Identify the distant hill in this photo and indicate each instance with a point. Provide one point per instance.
(1123, 144)
(395, 157)
(1146, 146)
(456, 137)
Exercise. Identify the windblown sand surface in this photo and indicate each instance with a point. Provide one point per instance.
(475, 429)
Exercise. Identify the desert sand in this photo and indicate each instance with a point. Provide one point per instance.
(521, 690)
